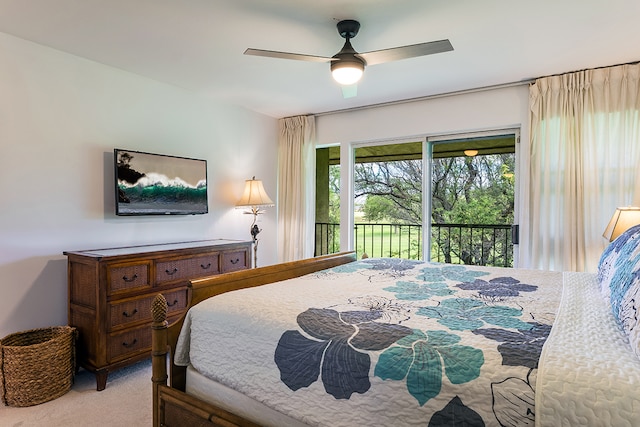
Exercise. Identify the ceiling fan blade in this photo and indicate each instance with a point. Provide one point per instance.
(286, 55)
(350, 91)
(404, 52)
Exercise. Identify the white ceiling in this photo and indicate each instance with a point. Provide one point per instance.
(198, 44)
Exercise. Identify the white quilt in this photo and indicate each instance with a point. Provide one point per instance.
(382, 342)
(588, 374)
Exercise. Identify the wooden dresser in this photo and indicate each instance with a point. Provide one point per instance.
(111, 291)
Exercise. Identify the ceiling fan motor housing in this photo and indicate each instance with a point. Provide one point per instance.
(348, 28)
(347, 55)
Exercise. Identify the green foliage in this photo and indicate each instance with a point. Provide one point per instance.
(465, 190)
(479, 210)
(334, 194)
(399, 183)
(377, 208)
(473, 190)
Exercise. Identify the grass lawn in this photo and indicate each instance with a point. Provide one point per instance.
(405, 241)
(384, 240)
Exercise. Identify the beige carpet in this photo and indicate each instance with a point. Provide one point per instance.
(125, 402)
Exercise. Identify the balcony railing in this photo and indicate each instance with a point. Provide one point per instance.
(473, 244)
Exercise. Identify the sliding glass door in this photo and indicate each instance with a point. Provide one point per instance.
(472, 203)
(373, 198)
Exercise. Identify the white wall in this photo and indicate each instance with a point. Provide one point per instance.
(60, 118)
(480, 110)
(505, 107)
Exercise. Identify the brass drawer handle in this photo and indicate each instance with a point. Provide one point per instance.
(131, 344)
(175, 301)
(172, 272)
(127, 314)
(234, 262)
(129, 280)
(205, 267)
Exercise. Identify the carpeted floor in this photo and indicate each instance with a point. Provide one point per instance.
(125, 402)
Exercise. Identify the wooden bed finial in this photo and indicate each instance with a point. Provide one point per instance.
(159, 309)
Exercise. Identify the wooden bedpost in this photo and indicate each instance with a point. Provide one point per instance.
(159, 351)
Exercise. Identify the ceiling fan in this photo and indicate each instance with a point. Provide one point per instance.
(347, 66)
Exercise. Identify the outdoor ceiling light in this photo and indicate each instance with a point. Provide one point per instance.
(470, 153)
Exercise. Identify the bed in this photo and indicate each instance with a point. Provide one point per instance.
(379, 341)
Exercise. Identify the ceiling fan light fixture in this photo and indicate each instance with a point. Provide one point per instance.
(347, 73)
(346, 66)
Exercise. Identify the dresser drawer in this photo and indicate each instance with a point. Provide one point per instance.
(124, 313)
(126, 277)
(187, 268)
(128, 343)
(234, 260)
(176, 301)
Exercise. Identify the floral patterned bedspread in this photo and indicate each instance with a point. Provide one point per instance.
(382, 342)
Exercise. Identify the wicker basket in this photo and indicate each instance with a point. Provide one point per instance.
(37, 365)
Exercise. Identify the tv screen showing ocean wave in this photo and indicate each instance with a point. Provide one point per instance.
(157, 184)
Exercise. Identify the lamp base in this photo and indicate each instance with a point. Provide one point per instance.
(255, 253)
(254, 230)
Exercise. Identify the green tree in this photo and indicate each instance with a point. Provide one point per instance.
(377, 208)
(397, 182)
(334, 194)
(475, 191)
(465, 190)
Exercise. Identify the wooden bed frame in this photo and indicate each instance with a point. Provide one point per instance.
(171, 405)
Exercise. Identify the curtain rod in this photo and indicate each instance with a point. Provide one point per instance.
(464, 91)
(588, 69)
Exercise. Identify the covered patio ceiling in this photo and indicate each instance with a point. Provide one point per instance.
(413, 150)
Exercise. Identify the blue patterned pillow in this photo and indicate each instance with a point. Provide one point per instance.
(619, 277)
(613, 262)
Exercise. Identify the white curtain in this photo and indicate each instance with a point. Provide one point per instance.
(585, 162)
(296, 190)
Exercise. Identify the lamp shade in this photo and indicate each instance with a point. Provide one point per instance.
(254, 194)
(622, 220)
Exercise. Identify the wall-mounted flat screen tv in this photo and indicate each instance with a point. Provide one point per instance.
(158, 184)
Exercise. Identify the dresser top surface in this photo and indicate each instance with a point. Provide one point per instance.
(129, 250)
